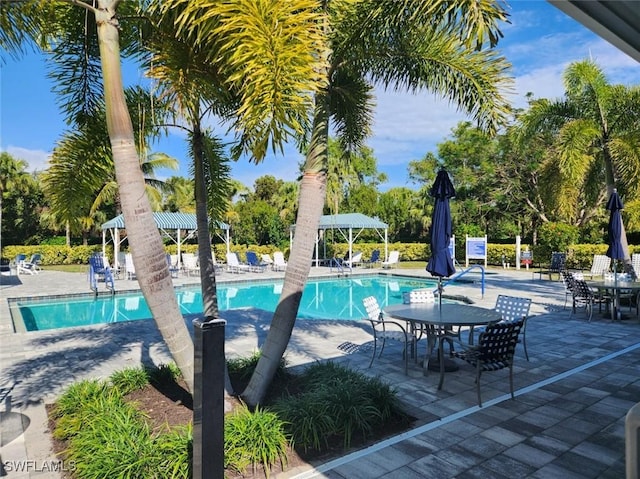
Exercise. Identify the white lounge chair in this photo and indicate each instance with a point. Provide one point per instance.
(393, 260)
(32, 266)
(190, 264)
(279, 264)
(234, 265)
(266, 259)
(130, 269)
(356, 259)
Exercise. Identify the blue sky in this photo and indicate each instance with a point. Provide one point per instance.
(540, 42)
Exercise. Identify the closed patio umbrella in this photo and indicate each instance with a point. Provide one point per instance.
(440, 263)
(614, 228)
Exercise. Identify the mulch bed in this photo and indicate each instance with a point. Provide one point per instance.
(172, 405)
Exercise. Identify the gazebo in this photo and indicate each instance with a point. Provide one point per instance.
(166, 222)
(347, 224)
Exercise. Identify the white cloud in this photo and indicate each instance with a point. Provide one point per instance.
(37, 159)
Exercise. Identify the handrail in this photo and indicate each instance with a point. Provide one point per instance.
(338, 265)
(465, 271)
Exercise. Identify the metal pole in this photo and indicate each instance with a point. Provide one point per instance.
(208, 399)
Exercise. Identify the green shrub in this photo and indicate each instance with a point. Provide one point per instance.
(309, 420)
(336, 402)
(115, 442)
(164, 374)
(129, 379)
(107, 437)
(79, 395)
(174, 453)
(243, 367)
(254, 438)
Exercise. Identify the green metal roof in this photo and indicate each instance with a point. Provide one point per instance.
(166, 221)
(349, 220)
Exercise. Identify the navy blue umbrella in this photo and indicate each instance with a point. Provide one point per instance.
(615, 250)
(440, 263)
(614, 205)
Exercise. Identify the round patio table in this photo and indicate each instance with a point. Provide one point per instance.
(435, 316)
(616, 287)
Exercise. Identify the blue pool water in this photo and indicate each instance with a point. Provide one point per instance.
(336, 298)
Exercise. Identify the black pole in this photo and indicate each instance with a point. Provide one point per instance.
(208, 399)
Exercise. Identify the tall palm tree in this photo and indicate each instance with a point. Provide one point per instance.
(412, 44)
(87, 33)
(593, 134)
(81, 176)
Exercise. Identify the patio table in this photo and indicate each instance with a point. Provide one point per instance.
(432, 316)
(616, 287)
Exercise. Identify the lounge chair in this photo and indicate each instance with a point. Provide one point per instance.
(266, 259)
(557, 265)
(129, 268)
(234, 265)
(190, 264)
(279, 264)
(356, 259)
(32, 266)
(18, 261)
(375, 257)
(600, 266)
(173, 268)
(393, 260)
(495, 350)
(5, 265)
(254, 263)
(216, 264)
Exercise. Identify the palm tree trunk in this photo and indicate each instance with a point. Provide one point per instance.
(311, 202)
(146, 244)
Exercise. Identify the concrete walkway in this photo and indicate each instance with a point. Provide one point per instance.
(567, 420)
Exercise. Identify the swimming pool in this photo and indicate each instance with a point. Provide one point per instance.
(331, 298)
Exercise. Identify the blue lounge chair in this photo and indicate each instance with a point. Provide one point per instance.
(254, 263)
(375, 257)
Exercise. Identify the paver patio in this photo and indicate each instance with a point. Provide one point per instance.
(567, 419)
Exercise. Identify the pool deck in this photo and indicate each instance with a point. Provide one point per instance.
(567, 420)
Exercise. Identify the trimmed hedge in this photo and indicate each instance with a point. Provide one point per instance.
(579, 256)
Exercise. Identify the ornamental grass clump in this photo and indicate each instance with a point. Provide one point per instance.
(253, 438)
(108, 437)
(336, 403)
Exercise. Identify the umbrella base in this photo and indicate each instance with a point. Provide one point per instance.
(449, 364)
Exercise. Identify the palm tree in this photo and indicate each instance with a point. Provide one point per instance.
(87, 48)
(592, 133)
(409, 44)
(81, 176)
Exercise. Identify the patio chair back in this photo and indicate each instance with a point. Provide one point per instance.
(635, 262)
(600, 266)
(418, 296)
(513, 308)
(387, 329)
(583, 295)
